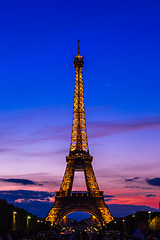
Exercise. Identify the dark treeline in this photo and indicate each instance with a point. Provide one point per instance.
(130, 223)
(15, 219)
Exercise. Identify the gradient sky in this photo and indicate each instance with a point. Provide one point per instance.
(119, 41)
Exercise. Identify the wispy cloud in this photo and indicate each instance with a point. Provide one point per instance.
(20, 181)
(102, 129)
(62, 132)
(35, 180)
(108, 196)
(138, 187)
(3, 150)
(131, 179)
(42, 154)
(97, 129)
(150, 195)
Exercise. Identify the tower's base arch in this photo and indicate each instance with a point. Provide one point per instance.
(79, 201)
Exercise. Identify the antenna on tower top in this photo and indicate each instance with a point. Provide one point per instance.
(78, 48)
(78, 60)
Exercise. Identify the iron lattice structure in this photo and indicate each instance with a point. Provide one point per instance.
(79, 159)
(79, 135)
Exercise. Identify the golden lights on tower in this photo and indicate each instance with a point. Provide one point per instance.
(79, 141)
(79, 159)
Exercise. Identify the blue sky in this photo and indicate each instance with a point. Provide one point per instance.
(119, 41)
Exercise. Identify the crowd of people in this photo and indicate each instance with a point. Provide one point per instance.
(139, 234)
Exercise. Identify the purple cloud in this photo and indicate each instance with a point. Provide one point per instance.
(153, 181)
(3, 150)
(102, 129)
(108, 196)
(150, 195)
(138, 187)
(20, 181)
(96, 129)
(131, 179)
(42, 154)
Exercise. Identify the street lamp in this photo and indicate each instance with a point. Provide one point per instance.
(28, 218)
(123, 224)
(14, 220)
(149, 212)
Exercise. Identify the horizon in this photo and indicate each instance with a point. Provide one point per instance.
(120, 46)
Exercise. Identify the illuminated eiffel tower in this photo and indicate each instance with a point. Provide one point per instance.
(79, 159)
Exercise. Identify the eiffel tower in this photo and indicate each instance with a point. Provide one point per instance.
(79, 159)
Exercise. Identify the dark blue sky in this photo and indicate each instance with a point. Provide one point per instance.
(120, 43)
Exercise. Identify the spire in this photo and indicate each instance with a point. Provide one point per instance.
(78, 60)
(78, 48)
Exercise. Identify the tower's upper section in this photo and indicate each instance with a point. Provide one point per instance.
(79, 143)
(78, 60)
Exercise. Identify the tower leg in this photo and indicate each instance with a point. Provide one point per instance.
(104, 211)
(67, 182)
(54, 212)
(90, 177)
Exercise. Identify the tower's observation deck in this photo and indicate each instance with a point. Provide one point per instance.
(78, 60)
